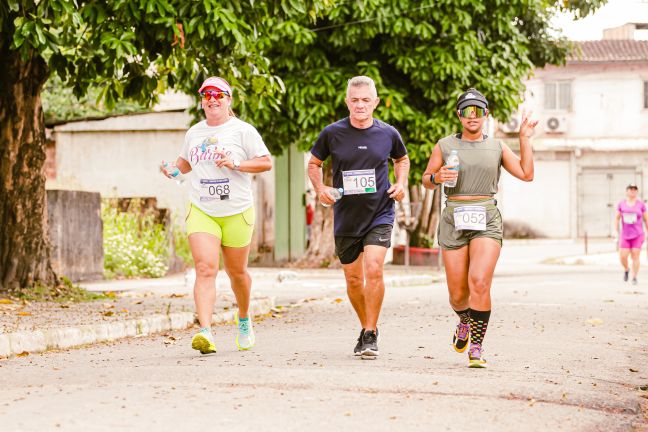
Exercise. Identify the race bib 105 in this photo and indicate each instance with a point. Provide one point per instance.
(357, 182)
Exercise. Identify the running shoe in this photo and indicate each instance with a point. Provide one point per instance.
(369, 345)
(461, 337)
(358, 348)
(625, 275)
(203, 341)
(476, 357)
(245, 338)
(634, 281)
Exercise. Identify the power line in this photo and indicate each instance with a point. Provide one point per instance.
(332, 26)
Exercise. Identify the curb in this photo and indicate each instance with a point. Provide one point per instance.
(68, 337)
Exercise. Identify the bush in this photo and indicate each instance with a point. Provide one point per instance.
(134, 243)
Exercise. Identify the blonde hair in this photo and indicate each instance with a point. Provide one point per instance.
(362, 80)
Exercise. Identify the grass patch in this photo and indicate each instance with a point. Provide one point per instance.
(64, 292)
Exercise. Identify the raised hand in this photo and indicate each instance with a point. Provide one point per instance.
(527, 128)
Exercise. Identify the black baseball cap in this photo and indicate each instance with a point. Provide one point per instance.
(471, 97)
(632, 186)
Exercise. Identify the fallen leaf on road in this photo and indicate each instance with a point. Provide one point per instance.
(124, 310)
(532, 402)
(348, 414)
(24, 313)
(22, 354)
(644, 387)
(65, 306)
(5, 301)
(174, 295)
(139, 302)
(108, 313)
(595, 321)
(338, 300)
(633, 370)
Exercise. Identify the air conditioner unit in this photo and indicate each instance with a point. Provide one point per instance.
(555, 124)
(512, 125)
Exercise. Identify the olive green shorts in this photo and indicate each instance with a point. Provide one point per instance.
(233, 231)
(451, 238)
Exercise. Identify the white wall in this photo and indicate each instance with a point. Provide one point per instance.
(120, 156)
(544, 203)
(607, 100)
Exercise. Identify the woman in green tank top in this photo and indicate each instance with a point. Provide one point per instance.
(470, 227)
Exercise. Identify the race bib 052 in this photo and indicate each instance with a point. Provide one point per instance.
(470, 218)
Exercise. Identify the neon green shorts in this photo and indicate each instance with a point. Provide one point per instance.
(233, 231)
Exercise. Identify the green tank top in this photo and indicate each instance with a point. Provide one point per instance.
(480, 165)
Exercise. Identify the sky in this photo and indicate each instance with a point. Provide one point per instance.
(613, 14)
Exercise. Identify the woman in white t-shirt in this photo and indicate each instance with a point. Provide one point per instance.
(221, 151)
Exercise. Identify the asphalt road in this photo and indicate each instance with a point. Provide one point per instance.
(566, 349)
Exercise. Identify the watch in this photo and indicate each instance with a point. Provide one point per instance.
(236, 163)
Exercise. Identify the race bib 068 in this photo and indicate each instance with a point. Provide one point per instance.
(214, 189)
(470, 218)
(357, 182)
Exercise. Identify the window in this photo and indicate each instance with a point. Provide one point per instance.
(645, 94)
(558, 96)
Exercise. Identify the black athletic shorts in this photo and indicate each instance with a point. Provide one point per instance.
(348, 249)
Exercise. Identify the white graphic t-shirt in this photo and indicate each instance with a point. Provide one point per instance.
(221, 191)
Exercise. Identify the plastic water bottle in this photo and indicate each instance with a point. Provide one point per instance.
(336, 193)
(453, 161)
(174, 172)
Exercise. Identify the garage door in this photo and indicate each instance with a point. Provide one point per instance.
(599, 192)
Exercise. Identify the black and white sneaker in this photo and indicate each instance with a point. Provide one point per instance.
(369, 345)
(358, 348)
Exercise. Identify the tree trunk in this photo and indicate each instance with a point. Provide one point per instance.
(428, 218)
(24, 243)
(321, 250)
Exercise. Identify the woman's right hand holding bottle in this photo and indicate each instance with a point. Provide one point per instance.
(169, 169)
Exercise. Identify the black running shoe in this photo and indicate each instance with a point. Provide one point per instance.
(369, 345)
(358, 348)
(625, 275)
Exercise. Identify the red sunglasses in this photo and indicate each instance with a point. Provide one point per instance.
(218, 95)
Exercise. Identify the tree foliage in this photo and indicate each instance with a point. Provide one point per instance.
(288, 61)
(422, 54)
(60, 104)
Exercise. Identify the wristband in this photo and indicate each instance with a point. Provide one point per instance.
(432, 178)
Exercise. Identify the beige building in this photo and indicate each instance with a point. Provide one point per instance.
(119, 157)
(592, 139)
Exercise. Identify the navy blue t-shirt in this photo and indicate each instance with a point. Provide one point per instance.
(360, 149)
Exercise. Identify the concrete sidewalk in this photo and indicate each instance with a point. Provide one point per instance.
(138, 307)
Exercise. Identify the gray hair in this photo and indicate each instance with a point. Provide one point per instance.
(362, 81)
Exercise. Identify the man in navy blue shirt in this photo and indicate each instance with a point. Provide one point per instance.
(360, 148)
